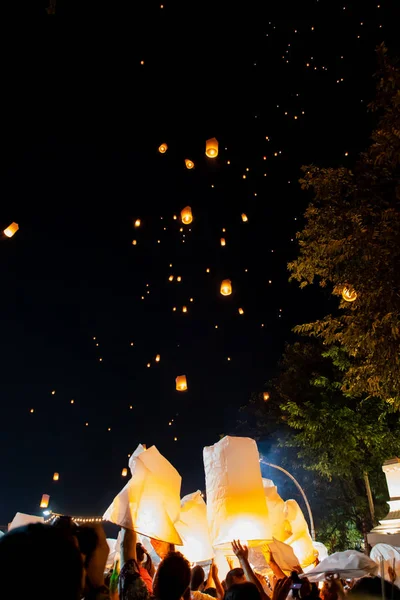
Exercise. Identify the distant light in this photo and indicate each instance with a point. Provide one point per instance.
(137, 223)
(11, 230)
(163, 148)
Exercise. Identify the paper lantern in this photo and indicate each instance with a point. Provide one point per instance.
(181, 383)
(171, 278)
(45, 501)
(349, 294)
(11, 230)
(124, 472)
(158, 358)
(299, 538)
(186, 215)
(184, 309)
(244, 218)
(137, 223)
(223, 242)
(241, 311)
(22, 519)
(212, 148)
(226, 287)
(150, 501)
(189, 163)
(56, 476)
(193, 529)
(163, 148)
(236, 507)
(266, 396)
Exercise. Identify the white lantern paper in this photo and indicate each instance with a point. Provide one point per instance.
(193, 529)
(21, 519)
(150, 501)
(300, 539)
(236, 506)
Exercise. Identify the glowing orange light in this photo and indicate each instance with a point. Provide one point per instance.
(349, 294)
(184, 309)
(134, 242)
(223, 242)
(226, 287)
(158, 358)
(179, 278)
(171, 278)
(265, 396)
(124, 472)
(241, 311)
(181, 383)
(11, 230)
(212, 148)
(137, 223)
(189, 163)
(186, 215)
(56, 476)
(163, 148)
(244, 218)
(45, 501)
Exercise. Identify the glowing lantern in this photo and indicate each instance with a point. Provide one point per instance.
(236, 507)
(158, 358)
(226, 289)
(193, 529)
(150, 501)
(11, 230)
(137, 223)
(186, 215)
(266, 396)
(223, 242)
(56, 476)
(134, 242)
(349, 294)
(179, 278)
(244, 217)
(124, 472)
(181, 383)
(241, 311)
(184, 309)
(212, 148)
(171, 278)
(163, 148)
(45, 501)
(189, 163)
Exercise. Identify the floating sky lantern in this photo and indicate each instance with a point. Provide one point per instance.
(226, 287)
(163, 148)
(223, 242)
(244, 218)
(179, 279)
(189, 163)
(241, 311)
(266, 396)
(186, 215)
(212, 148)
(184, 309)
(158, 358)
(45, 501)
(181, 383)
(349, 293)
(134, 242)
(56, 476)
(137, 223)
(171, 278)
(11, 230)
(124, 472)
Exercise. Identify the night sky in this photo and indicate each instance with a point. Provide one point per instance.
(84, 115)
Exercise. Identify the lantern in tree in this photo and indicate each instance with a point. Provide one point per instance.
(244, 218)
(226, 287)
(56, 476)
(163, 148)
(45, 501)
(189, 163)
(137, 223)
(266, 396)
(186, 215)
(241, 311)
(11, 230)
(349, 293)
(223, 242)
(181, 383)
(212, 148)
(124, 472)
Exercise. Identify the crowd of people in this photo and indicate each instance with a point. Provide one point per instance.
(67, 562)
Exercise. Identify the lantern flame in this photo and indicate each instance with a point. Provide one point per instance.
(163, 148)
(181, 383)
(11, 229)
(186, 215)
(189, 163)
(226, 287)
(212, 148)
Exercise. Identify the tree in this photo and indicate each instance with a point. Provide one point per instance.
(333, 436)
(352, 239)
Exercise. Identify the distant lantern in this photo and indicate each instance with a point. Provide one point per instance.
(223, 242)
(163, 148)
(266, 396)
(158, 358)
(244, 218)
(226, 287)
(184, 309)
(189, 163)
(186, 215)
(181, 383)
(171, 278)
(45, 501)
(124, 472)
(179, 278)
(56, 476)
(137, 223)
(134, 242)
(241, 311)
(212, 148)
(349, 294)
(11, 230)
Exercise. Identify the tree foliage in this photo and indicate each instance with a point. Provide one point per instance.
(352, 237)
